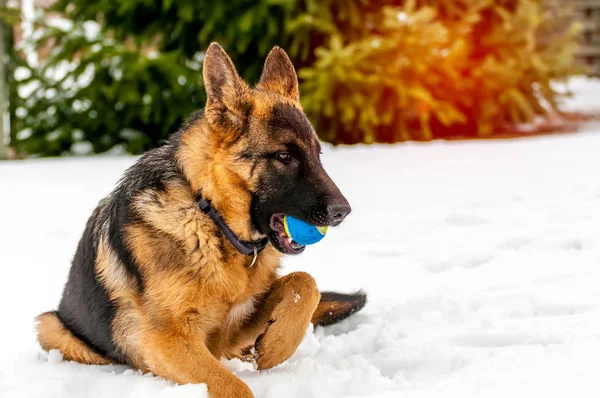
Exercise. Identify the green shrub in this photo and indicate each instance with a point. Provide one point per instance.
(427, 69)
(133, 82)
(371, 71)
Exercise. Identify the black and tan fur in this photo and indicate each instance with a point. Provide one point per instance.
(156, 285)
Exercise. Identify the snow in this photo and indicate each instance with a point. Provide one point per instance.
(481, 261)
(586, 94)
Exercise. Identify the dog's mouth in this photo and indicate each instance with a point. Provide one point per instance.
(280, 239)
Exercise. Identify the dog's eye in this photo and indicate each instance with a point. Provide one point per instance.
(284, 157)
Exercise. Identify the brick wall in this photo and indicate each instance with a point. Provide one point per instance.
(587, 12)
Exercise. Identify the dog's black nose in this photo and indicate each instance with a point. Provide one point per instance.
(337, 211)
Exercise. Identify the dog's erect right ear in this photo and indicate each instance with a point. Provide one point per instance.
(222, 82)
(279, 75)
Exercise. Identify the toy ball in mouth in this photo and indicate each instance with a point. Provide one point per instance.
(301, 232)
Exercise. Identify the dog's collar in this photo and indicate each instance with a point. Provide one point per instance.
(244, 247)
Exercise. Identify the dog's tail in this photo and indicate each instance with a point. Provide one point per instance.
(334, 307)
(53, 335)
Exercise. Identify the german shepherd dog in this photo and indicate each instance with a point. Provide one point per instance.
(177, 267)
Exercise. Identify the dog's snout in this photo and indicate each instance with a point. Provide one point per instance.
(337, 211)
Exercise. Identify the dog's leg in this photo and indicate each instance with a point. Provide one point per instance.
(281, 319)
(178, 352)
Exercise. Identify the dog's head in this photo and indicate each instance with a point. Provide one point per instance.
(268, 148)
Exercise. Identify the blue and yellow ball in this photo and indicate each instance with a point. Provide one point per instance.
(301, 232)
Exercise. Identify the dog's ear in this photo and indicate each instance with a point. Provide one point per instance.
(222, 82)
(227, 93)
(279, 75)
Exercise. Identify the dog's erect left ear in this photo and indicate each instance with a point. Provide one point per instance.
(279, 75)
(221, 80)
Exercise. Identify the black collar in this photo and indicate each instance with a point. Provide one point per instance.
(244, 247)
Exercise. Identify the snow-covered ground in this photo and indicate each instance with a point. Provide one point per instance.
(481, 261)
(586, 95)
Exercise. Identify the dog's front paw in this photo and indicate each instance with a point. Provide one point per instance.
(277, 343)
(296, 296)
(231, 387)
